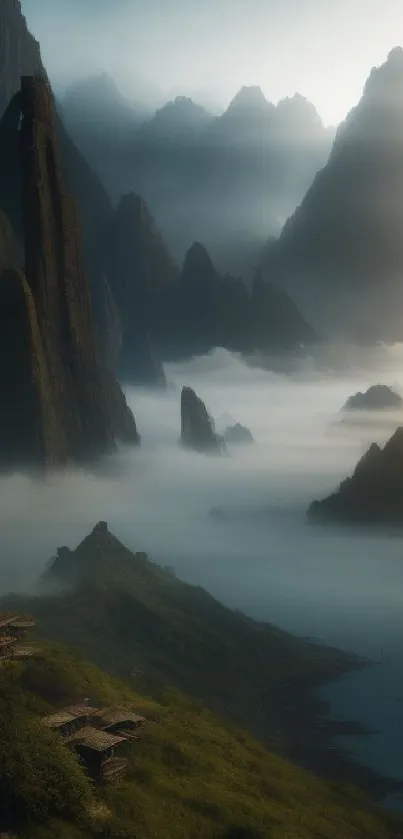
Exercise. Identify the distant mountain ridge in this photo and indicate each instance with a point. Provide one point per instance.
(199, 172)
(341, 252)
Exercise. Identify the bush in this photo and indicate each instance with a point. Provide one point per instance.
(39, 777)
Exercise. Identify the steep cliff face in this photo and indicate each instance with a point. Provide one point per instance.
(141, 269)
(197, 427)
(341, 253)
(19, 51)
(29, 429)
(70, 407)
(20, 56)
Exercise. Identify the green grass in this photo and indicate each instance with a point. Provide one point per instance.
(138, 621)
(189, 775)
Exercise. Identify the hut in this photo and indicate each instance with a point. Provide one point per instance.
(68, 721)
(21, 625)
(120, 721)
(97, 749)
(6, 621)
(7, 647)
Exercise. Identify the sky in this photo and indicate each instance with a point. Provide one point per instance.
(324, 49)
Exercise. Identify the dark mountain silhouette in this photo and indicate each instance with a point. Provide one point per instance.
(59, 402)
(224, 180)
(205, 309)
(197, 426)
(94, 206)
(341, 253)
(143, 270)
(374, 493)
(19, 52)
(376, 398)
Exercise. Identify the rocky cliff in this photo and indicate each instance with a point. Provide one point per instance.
(67, 406)
(19, 51)
(374, 492)
(205, 310)
(142, 271)
(341, 252)
(197, 427)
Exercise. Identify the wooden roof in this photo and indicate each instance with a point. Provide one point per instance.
(95, 739)
(116, 716)
(6, 640)
(14, 619)
(6, 619)
(66, 715)
(81, 710)
(23, 623)
(58, 719)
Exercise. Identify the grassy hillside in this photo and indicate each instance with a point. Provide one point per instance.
(189, 776)
(138, 621)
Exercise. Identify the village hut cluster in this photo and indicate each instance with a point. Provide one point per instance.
(14, 629)
(98, 736)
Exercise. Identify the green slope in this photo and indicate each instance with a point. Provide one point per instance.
(189, 776)
(138, 621)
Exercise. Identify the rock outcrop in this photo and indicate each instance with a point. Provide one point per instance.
(197, 427)
(373, 494)
(62, 404)
(340, 254)
(19, 52)
(376, 398)
(238, 434)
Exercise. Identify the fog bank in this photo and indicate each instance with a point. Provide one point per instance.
(340, 585)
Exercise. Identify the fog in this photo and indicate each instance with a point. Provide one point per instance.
(338, 585)
(153, 47)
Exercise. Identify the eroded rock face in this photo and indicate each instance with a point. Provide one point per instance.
(376, 398)
(62, 404)
(197, 427)
(374, 492)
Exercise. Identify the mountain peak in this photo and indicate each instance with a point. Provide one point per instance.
(198, 262)
(250, 97)
(387, 79)
(100, 85)
(299, 114)
(395, 56)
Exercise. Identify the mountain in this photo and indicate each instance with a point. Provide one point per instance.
(374, 492)
(139, 621)
(183, 773)
(176, 122)
(101, 121)
(199, 172)
(59, 403)
(142, 269)
(255, 156)
(341, 252)
(94, 206)
(205, 309)
(19, 52)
